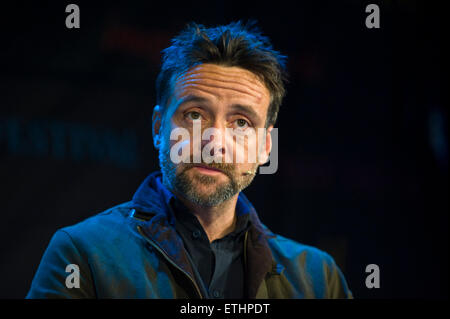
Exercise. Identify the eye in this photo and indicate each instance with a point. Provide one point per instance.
(241, 123)
(193, 115)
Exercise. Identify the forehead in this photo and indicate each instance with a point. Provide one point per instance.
(222, 83)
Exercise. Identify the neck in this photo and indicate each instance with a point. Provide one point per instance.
(217, 221)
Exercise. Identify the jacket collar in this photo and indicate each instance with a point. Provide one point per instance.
(153, 198)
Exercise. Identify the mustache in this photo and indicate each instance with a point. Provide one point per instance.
(220, 165)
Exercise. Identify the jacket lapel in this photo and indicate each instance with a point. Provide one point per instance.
(258, 260)
(150, 199)
(258, 256)
(159, 230)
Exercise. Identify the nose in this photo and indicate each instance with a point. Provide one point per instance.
(213, 144)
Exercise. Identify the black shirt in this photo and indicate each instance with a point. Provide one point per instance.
(219, 264)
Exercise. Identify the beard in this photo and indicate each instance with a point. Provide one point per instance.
(190, 187)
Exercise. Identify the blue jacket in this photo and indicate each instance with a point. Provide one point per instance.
(133, 251)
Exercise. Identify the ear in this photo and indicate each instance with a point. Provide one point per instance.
(265, 153)
(156, 126)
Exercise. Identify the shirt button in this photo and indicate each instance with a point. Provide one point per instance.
(196, 234)
(216, 294)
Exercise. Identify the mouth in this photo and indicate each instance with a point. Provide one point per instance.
(207, 170)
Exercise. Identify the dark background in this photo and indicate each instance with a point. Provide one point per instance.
(363, 149)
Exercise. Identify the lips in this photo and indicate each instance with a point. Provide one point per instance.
(208, 167)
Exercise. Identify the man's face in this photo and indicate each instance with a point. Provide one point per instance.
(225, 99)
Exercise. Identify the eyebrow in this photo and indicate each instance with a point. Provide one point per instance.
(245, 109)
(192, 98)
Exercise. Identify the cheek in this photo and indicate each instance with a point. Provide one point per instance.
(245, 148)
(178, 143)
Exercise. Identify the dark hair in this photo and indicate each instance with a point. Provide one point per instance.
(234, 44)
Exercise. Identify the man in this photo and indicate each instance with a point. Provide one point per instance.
(189, 231)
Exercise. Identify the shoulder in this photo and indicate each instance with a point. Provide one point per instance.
(86, 245)
(106, 226)
(285, 248)
(312, 268)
